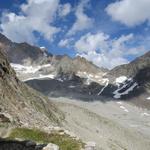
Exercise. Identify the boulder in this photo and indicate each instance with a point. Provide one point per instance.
(4, 117)
(90, 146)
(51, 146)
(30, 144)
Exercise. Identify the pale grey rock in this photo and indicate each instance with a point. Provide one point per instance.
(51, 146)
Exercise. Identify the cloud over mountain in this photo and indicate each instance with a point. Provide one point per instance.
(107, 52)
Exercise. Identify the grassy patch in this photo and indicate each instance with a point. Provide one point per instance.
(63, 141)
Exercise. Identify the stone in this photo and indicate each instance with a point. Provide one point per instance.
(51, 146)
(39, 147)
(30, 144)
(4, 117)
(90, 146)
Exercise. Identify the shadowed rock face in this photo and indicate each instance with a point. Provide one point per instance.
(19, 145)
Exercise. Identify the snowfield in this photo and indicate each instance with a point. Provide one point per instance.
(120, 80)
(40, 76)
(31, 72)
(28, 69)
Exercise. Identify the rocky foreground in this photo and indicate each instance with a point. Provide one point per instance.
(30, 145)
(22, 145)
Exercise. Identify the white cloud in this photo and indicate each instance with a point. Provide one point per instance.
(67, 43)
(35, 16)
(106, 52)
(63, 43)
(64, 10)
(90, 42)
(103, 60)
(130, 12)
(82, 20)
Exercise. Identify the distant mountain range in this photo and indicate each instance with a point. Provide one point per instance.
(77, 77)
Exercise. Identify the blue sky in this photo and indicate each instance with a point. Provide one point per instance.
(107, 32)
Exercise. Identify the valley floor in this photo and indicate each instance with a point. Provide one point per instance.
(111, 125)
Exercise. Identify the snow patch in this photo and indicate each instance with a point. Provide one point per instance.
(42, 47)
(51, 76)
(145, 114)
(90, 145)
(122, 107)
(88, 81)
(96, 76)
(120, 103)
(91, 76)
(104, 81)
(72, 86)
(120, 80)
(28, 69)
(148, 98)
(59, 79)
(118, 95)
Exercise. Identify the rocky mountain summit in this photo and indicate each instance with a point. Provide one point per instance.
(23, 53)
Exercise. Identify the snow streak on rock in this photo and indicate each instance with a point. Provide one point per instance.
(104, 81)
(118, 94)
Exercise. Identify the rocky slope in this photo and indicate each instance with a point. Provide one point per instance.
(21, 105)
